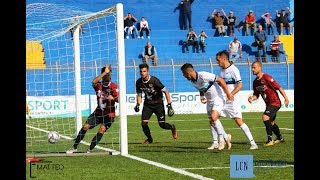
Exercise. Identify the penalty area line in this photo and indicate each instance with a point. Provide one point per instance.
(177, 170)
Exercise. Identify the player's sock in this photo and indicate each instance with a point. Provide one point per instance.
(164, 125)
(95, 140)
(276, 131)
(247, 132)
(80, 136)
(268, 128)
(223, 134)
(214, 135)
(146, 131)
(220, 130)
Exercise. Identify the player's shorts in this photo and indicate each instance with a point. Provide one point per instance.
(271, 111)
(232, 109)
(217, 105)
(157, 109)
(94, 119)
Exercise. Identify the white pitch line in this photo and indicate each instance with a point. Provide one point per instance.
(177, 170)
(286, 166)
(289, 129)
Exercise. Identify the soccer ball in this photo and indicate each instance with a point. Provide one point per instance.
(53, 137)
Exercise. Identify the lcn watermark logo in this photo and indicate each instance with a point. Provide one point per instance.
(241, 166)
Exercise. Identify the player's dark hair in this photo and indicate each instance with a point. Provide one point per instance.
(185, 66)
(144, 65)
(222, 53)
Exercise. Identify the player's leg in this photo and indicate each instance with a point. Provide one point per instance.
(213, 131)
(214, 135)
(215, 114)
(266, 117)
(161, 116)
(89, 124)
(146, 114)
(106, 124)
(233, 110)
(275, 127)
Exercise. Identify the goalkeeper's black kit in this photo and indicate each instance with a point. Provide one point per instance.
(153, 103)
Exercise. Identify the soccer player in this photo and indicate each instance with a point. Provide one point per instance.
(231, 74)
(267, 87)
(153, 90)
(104, 114)
(211, 88)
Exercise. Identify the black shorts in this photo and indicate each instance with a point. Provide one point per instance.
(157, 109)
(271, 111)
(94, 119)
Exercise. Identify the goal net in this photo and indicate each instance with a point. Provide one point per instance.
(65, 50)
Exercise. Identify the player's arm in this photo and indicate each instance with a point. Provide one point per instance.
(255, 95)
(224, 86)
(238, 80)
(284, 95)
(139, 101)
(106, 71)
(114, 96)
(202, 97)
(167, 94)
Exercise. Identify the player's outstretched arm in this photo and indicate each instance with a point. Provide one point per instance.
(106, 71)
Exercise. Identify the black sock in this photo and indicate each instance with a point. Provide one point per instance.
(80, 136)
(164, 125)
(95, 140)
(146, 131)
(276, 130)
(268, 129)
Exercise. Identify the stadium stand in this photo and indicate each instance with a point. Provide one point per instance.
(34, 55)
(167, 36)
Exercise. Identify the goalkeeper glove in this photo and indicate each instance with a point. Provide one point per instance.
(136, 108)
(170, 110)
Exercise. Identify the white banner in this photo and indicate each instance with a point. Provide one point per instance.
(182, 103)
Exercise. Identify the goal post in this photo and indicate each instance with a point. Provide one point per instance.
(74, 44)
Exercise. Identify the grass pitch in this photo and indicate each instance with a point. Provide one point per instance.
(189, 152)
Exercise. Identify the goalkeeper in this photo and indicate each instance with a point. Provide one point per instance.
(104, 114)
(153, 90)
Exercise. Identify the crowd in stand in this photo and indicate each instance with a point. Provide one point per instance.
(225, 26)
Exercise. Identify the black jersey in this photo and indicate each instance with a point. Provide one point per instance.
(152, 89)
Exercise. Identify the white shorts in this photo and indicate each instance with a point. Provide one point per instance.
(232, 109)
(217, 105)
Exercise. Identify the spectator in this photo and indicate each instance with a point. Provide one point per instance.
(268, 23)
(284, 20)
(231, 22)
(129, 19)
(144, 26)
(250, 22)
(202, 41)
(275, 48)
(150, 52)
(260, 37)
(191, 40)
(187, 11)
(234, 47)
(182, 24)
(218, 20)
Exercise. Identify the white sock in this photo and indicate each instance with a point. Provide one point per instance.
(220, 130)
(214, 135)
(247, 132)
